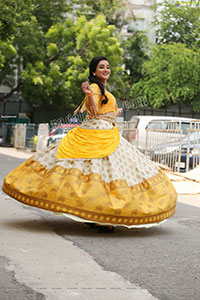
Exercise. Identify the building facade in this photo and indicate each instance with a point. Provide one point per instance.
(144, 15)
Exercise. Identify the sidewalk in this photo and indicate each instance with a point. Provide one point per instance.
(187, 184)
(18, 153)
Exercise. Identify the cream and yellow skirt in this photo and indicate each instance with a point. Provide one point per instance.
(123, 188)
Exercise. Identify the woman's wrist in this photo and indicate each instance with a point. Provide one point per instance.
(89, 94)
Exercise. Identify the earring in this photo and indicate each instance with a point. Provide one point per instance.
(94, 74)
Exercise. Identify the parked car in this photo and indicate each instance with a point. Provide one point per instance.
(142, 123)
(59, 132)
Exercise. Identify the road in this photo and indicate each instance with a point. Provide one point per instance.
(46, 256)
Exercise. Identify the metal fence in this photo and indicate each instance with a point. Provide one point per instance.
(21, 136)
(193, 146)
(42, 135)
(129, 131)
(24, 136)
(174, 145)
(7, 134)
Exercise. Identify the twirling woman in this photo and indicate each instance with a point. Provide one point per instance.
(94, 175)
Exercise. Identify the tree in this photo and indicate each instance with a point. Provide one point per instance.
(46, 46)
(133, 42)
(135, 53)
(117, 13)
(172, 75)
(48, 12)
(178, 23)
(22, 36)
(70, 47)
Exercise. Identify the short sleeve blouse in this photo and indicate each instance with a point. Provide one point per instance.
(110, 106)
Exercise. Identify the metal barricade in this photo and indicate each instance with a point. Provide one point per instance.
(20, 136)
(129, 131)
(31, 133)
(7, 134)
(121, 125)
(43, 132)
(163, 146)
(193, 146)
(168, 145)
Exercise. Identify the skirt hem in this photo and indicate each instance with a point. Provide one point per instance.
(86, 216)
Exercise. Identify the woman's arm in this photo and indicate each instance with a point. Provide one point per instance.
(91, 104)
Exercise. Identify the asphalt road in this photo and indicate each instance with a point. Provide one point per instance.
(164, 260)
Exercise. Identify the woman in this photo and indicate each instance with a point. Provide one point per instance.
(93, 175)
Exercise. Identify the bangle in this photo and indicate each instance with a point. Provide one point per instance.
(90, 94)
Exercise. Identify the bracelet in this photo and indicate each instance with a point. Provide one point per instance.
(90, 94)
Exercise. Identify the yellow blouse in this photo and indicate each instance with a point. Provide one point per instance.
(110, 106)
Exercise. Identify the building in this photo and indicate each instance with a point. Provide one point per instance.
(144, 15)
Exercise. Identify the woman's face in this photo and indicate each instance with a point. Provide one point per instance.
(103, 70)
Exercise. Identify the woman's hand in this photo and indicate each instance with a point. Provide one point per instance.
(86, 88)
(90, 103)
(119, 111)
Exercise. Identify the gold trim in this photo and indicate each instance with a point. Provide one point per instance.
(94, 199)
(96, 217)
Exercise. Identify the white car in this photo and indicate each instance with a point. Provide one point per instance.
(59, 132)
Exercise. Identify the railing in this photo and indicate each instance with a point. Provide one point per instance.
(170, 147)
(193, 146)
(20, 136)
(7, 134)
(42, 135)
(129, 131)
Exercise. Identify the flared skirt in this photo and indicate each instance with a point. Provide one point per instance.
(124, 188)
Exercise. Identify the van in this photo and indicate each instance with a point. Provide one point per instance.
(142, 123)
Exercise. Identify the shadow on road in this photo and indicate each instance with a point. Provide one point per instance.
(66, 227)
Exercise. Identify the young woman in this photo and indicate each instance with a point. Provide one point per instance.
(93, 175)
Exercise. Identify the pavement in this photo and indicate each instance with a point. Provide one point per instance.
(18, 153)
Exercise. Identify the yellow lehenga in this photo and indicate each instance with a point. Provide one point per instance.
(94, 175)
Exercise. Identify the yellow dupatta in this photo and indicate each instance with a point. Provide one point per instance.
(88, 143)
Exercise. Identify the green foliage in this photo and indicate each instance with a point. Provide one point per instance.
(117, 13)
(12, 12)
(46, 47)
(22, 35)
(180, 24)
(135, 53)
(58, 81)
(134, 44)
(48, 12)
(7, 52)
(172, 75)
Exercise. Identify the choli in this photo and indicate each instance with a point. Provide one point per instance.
(110, 106)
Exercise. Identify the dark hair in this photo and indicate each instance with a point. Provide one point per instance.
(93, 79)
